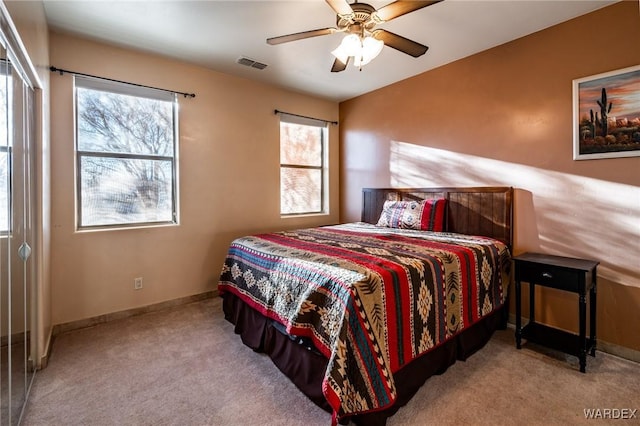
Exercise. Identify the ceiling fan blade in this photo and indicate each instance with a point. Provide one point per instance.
(400, 43)
(299, 36)
(338, 65)
(399, 8)
(341, 7)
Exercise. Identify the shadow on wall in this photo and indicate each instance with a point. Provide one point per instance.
(556, 213)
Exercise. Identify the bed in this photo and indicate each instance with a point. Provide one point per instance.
(359, 315)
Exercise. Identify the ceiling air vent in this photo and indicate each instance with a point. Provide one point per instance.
(251, 63)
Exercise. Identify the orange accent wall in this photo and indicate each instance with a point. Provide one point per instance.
(504, 117)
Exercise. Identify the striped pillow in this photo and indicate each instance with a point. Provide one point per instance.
(425, 215)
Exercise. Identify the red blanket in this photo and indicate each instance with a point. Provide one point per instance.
(372, 299)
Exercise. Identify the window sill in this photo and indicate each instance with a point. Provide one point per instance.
(125, 227)
(303, 215)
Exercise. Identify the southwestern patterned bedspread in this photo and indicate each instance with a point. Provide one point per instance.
(372, 299)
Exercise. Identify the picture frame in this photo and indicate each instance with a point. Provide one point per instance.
(606, 115)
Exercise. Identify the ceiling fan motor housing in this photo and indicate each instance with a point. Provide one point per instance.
(359, 21)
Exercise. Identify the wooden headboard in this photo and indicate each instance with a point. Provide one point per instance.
(486, 211)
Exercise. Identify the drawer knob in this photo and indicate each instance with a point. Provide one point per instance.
(547, 275)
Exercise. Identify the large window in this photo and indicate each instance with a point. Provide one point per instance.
(126, 146)
(302, 165)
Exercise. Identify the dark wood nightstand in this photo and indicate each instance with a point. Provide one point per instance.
(563, 273)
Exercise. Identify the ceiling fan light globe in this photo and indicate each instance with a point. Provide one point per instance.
(362, 50)
(371, 48)
(340, 55)
(351, 45)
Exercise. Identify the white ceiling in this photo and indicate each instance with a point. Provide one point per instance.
(214, 34)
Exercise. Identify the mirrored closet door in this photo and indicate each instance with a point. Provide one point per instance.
(17, 129)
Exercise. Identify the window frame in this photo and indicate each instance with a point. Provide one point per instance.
(119, 88)
(323, 167)
(6, 70)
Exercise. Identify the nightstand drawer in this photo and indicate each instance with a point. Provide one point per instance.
(550, 276)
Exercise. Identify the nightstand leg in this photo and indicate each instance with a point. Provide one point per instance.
(518, 316)
(592, 316)
(583, 332)
(532, 303)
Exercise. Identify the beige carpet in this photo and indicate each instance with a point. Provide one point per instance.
(185, 366)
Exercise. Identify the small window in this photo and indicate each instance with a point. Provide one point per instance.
(126, 149)
(302, 165)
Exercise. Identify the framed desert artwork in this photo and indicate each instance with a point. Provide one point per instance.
(606, 115)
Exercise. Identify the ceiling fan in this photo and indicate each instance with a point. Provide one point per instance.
(364, 41)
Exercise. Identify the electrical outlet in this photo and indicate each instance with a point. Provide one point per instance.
(137, 283)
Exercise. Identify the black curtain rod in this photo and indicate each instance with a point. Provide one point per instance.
(61, 71)
(304, 116)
